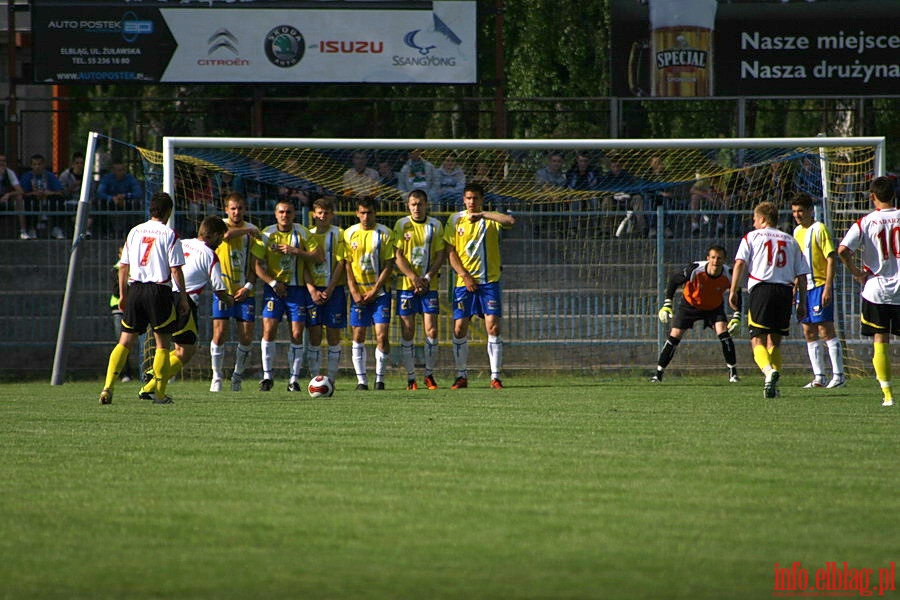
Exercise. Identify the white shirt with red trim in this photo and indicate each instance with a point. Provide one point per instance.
(151, 250)
(201, 267)
(878, 234)
(772, 256)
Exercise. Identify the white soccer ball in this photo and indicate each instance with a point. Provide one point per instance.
(320, 387)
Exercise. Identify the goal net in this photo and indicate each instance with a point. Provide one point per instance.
(601, 224)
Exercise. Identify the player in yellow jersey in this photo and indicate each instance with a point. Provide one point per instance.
(238, 255)
(329, 298)
(820, 253)
(289, 247)
(419, 256)
(369, 262)
(473, 248)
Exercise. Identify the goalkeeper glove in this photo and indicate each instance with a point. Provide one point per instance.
(665, 313)
(734, 325)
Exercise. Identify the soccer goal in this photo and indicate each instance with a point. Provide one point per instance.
(601, 223)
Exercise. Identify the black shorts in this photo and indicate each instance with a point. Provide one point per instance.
(149, 304)
(879, 318)
(686, 315)
(186, 330)
(770, 309)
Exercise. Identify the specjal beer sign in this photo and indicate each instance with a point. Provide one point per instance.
(697, 48)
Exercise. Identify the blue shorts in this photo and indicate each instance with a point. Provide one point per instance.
(294, 304)
(411, 303)
(816, 312)
(378, 311)
(483, 301)
(332, 314)
(245, 310)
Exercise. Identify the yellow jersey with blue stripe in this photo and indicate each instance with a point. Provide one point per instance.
(332, 243)
(287, 268)
(235, 258)
(421, 244)
(817, 245)
(477, 244)
(367, 253)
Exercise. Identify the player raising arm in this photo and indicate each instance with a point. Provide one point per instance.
(473, 249)
(706, 284)
(774, 267)
(877, 237)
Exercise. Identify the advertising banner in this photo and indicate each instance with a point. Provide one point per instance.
(254, 42)
(694, 48)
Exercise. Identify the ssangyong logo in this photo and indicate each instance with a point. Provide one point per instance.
(425, 42)
(284, 46)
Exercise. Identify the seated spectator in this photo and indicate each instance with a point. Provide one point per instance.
(119, 189)
(451, 181)
(43, 193)
(387, 176)
(226, 182)
(419, 174)
(360, 179)
(656, 196)
(623, 188)
(71, 180)
(552, 174)
(12, 197)
(705, 193)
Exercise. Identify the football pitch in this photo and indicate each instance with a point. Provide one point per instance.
(556, 487)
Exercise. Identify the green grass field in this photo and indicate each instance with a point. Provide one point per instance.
(557, 487)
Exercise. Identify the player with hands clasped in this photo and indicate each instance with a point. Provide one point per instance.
(771, 261)
(819, 252)
(875, 237)
(705, 284)
(289, 247)
(419, 256)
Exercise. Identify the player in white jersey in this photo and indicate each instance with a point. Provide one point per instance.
(419, 255)
(774, 267)
(877, 237)
(201, 268)
(819, 253)
(151, 259)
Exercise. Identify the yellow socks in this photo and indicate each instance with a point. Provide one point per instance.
(117, 359)
(775, 357)
(762, 358)
(160, 369)
(174, 368)
(882, 363)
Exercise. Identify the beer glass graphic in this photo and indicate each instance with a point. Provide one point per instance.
(680, 47)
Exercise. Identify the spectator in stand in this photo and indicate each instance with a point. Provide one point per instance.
(71, 180)
(225, 183)
(623, 186)
(12, 197)
(657, 195)
(704, 192)
(360, 179)
(43, 193)
(119, 189)
(552, 176)
(451, 181)
(419, 174)
(386, 174)
(582, 177)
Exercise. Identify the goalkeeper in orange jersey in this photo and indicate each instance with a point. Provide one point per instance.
(706, 285)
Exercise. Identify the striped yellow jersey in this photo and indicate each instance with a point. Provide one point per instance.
(287, 268)
(816, 244)
(235, 259)
(367, 253)
(332, 242)
(478, 246)
(421, 244)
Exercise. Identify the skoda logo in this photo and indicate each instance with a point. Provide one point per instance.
(285, 46)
